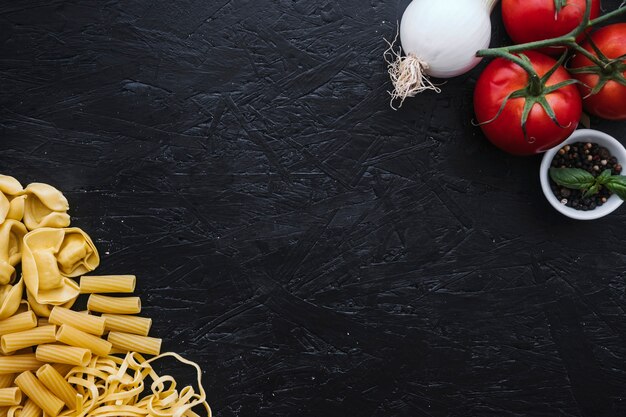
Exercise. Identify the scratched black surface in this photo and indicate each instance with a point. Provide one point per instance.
(315, 251)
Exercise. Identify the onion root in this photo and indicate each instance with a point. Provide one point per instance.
(407, 74)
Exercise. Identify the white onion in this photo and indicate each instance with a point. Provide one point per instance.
(440, 38)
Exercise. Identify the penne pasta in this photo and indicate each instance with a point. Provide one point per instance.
(31, 409)
(69, 355)
(107, 284)
(36, 391)
(10, 396)
(128, 324)
(77, 338)
(135, 343)
(17, 323)
(20, 340)
(18, 363)
(57, 384)
(42, 321)
(114, 305)
(78, 320)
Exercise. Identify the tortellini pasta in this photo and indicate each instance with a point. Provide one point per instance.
(11, 199)
(11, 235)
(10, 298)
(45, 206)
(50, 257)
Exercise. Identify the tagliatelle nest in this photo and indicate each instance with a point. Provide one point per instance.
(407, 74)
(115, 387)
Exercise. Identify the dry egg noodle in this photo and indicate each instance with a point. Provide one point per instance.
(56, 361)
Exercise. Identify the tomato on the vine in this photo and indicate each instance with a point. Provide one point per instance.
(604, 87)
(525, 118)
(535, 20)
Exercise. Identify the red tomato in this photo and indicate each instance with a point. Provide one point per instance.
(535, 20)
(610, 101)
(503, 77)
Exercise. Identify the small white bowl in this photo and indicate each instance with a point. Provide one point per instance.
(582, 135)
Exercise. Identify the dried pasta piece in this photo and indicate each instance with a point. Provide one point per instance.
(6, 380)
(10, 298)
(114, 305)
(77, 338)
(107, 284)
(36, 391)
(68, 355)
(11, 199)
(18, 363)
(31, 409)
(10, 396)
(17, 323)
(45, 206)
(44, 310)
(135, 343)
(12, 233)
(57, 384)
(113, 386)
(50, 256)
(27, 338)
(126, 323)
(81, 321)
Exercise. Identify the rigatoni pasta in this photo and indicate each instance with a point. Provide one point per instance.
(57, 384)
(78, 320)
(68, 355)
(128, 324)
(18, 363)
(31, 409)
(37, 392)
(114, 305)
(135, 343)
(17, 323)
(6, 380)
(74, 337)
(107, 284)
(33, 337)
(63, 368)
(10, 396)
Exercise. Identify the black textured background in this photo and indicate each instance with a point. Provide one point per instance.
(318, 253)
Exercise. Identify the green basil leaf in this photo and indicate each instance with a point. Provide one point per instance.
(617, 184)
(574, 178)
(603, 177)
(592, 190)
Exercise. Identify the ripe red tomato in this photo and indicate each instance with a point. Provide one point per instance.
(503, 77)
(610, 101)
(535, 20)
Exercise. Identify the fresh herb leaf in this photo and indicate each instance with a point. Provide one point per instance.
(603, 177)
(592, 190)
(617, 184)
(574, 178)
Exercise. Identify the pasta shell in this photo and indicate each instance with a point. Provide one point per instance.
(10, 298)
(16, 207)
(12, 233)
(77, 255)
(45, 206)
(44, 310)
(50, 257)
(11, 199)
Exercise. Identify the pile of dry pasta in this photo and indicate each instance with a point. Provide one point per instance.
(55, 361)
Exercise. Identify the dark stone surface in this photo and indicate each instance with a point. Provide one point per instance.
(318, 253)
